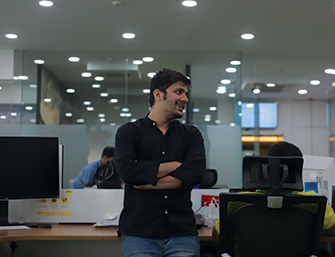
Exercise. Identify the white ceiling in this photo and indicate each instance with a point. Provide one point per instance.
(294, 39)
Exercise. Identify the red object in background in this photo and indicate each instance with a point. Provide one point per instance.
(207, 199)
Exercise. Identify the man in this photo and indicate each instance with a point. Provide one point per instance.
(85, 177)
(287, 149)
(160, 160)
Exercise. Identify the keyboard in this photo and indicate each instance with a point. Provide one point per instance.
(14, 227)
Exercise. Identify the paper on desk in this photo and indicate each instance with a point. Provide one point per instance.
(108, 222)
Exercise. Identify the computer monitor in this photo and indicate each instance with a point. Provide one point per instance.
(29, 169)
(320, 169)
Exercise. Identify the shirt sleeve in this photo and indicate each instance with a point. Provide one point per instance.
(329, 219)
(88, 175)
(131, 170)
(217, 226)
(193, 168)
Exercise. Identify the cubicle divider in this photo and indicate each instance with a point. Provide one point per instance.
(81, 206)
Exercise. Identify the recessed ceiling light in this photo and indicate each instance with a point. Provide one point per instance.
(86, 103)
(45, 3)
(213, 108)
(80, 120)
(302, 91)
(247, 36)
(270, 84)
(112, 124)
(33, 86)
(74, 59)
(146, 91)
(196, 110)
(102, 120)
(207, 119)
(47, 100)
(39, 61)
(151, 74)
(90, 108)
(32, 120)
(147, 59)
(125, 109)
(22, 77)
(217, 121)
(68, 114)
(101, 115)
(239, 103)
(231, 70)
(103, 94)
(86, 74)
(122, 114)
(232, 124)
(314, 82)
(15, 77)
(250, 105)
(3, 117)
(113, 100)
(11, 36)
(256, 91)
(189, 3)
(221, 90)
(133, 120)
(29, 108)
(13, 114)
(235, 62)
(137, 62)
(99, 78)
(231, 95)
(128, 35)
(225, 81)
(70, 90)
(96, 85)
(330, 71)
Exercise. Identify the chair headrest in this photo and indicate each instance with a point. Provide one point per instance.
(273, 172)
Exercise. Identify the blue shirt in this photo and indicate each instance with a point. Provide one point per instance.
(86, 175)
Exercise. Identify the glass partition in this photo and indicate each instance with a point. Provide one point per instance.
(84, 133)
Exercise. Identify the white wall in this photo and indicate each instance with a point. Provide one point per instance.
(303, 123)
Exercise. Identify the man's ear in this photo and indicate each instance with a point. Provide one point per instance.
(157, 94)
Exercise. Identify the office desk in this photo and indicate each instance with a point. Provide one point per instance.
(74, 232)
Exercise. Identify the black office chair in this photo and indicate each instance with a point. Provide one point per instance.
(210, 178)
(272, 223)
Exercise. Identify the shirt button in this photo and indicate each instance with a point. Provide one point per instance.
(163, 152)
(166, 212)
(153, 124)
(166, 197)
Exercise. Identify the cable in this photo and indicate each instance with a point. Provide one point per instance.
(13, 245)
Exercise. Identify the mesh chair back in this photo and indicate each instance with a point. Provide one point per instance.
(249, 228)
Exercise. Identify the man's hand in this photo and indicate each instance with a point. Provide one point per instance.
(166, 168)
(167, 182)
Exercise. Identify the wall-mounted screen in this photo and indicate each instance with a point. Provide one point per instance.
(268, 115)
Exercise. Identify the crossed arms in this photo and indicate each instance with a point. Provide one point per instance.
(165, 181)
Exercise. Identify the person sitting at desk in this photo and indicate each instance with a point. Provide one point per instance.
(85, 177)
(287, 149)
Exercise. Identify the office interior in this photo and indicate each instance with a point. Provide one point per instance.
(292, 48)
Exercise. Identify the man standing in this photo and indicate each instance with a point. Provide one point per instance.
(85, 177)
(160, 160)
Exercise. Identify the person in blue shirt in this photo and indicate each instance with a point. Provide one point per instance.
(85, 177)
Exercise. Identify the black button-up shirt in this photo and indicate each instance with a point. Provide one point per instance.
(140, 147)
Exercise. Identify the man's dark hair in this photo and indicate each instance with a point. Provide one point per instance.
(165, 78)
(109, 151)
(283, 148)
